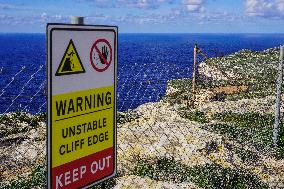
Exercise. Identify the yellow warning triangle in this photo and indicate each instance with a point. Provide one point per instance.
(70, 62)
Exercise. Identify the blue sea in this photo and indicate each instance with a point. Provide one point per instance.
(145, 63)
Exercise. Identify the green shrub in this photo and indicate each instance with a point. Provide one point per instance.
(195, 116)
(280, 153)
(128, 116)
(37, 179)
(259, 137)
(280, 150)
(248, 127)
(18, 122)
(249, 119)
(107, 184)
(210, 176)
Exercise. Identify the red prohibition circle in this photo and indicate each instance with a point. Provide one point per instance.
(100, 54)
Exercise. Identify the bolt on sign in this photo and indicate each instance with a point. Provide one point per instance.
(81, 71)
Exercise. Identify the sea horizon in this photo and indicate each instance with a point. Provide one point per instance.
(217, 33)
(143, 58)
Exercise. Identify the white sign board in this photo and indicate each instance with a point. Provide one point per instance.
(81, 71)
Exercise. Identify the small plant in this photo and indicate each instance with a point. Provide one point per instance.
(37, 179)
(128, 116)
(197, 116)
(249, 126)
(209, 176)
(18, 122)
(280, 150)
(280, 153)
(281, 134)
(107, 184)
(250, 119)
(144, 168)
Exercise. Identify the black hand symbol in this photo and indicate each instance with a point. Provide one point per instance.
(104, 53)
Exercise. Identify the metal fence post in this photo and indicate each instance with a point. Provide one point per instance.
(194, 76)
(278, 99)
(194, 69)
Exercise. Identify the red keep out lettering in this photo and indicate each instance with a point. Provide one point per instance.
(84, 171)
(70, 177)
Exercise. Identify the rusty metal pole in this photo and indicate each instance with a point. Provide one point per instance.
(194, 75)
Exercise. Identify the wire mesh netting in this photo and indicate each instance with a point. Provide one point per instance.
(224, 140)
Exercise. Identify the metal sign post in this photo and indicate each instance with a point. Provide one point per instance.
(77, 20)
(81, 71)
(278, 99)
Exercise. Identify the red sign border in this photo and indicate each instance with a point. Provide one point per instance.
(100, 54)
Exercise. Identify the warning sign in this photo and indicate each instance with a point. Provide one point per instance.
(81, 107)
(70, 62)
(101, 55)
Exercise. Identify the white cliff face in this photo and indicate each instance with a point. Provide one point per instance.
(162, 132)
(159, 131)
(211, 72)
(244, 64)
(20, 153)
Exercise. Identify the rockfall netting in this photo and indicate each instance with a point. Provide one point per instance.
(223, 140)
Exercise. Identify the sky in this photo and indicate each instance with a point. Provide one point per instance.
(147, 16)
